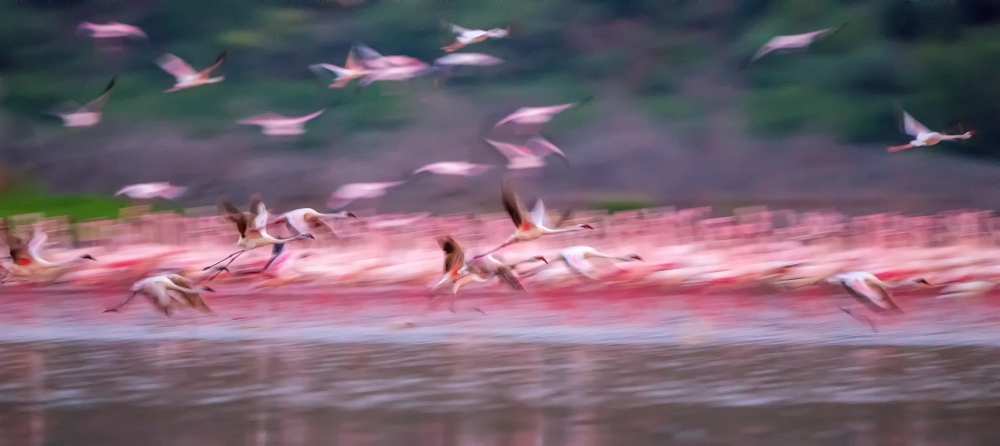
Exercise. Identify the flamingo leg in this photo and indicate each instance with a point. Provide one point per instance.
(237, 253)
(115, 308)
(226, 267)
(503, 245)
(860, 318)
(275, 252)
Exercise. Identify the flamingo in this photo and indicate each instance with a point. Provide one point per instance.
(111, 30)
(273, 124)
(466, 36)
(162, 291)
(373, 60)
(305, 220)
(577, 259)
(468, 59)
(793, 41)
(528, 227)
(871, 291)
(252, 227)
(27, 259)
(348, 193)
(146, 191)
(460, 273)
(352, 69)
(530, 155)
(534, 115)
(922, 136)
(87, 115)
(186, 77)
(459, 168)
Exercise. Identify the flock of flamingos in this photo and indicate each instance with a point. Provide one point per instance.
(171, 259)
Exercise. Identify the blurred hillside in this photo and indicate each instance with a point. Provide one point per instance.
(675, 116)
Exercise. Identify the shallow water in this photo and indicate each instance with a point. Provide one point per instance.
(547, 369)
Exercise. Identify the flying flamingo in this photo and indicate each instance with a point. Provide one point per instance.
(252, 227)
(871, 291)
(87, 115)
(792, 42)
(186, 77)
(534, 115)
(922, 136)
(273, 124)
(528, 226)
(348, 193)
(146, 191)
(577, 258)
(111, 30)
(163, 290)
(27, 260)
(352, 69)
(529, 155)
(466, 36)
(459, 168)
(467, 59)
(306, 220)
(460, 273)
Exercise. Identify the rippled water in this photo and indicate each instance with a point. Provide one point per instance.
(593, 368)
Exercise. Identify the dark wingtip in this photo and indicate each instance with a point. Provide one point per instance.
(111, 84)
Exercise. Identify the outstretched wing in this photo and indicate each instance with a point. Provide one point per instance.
(215, 65)
(454, 257)
(234, 215)
(538, 213)
(38, 239)
(581, 266)
(913, 127)
(457, 29)
(875, 298)
(16, 246)
(512, 205)
(98, 103)
(176, 66)
(258, 213)
(509, 276)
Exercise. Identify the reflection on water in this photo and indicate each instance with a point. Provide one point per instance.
(469, 389)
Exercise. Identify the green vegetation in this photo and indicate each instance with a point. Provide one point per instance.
(26, 199)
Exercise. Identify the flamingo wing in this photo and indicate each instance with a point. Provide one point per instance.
(38, 240)
(234, 215)
(98, 103)
(454, 256)
(913, 127)
(581, 266)
(538, 215)
(509, 276)
(176, 66)
(512, 205)
(215, 65)
(258, 213)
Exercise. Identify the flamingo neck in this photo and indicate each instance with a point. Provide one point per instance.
(559, 231)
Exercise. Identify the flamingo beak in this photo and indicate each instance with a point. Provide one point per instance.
(88, 257)
(209, 289)
(586, 226)
(542, 259)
